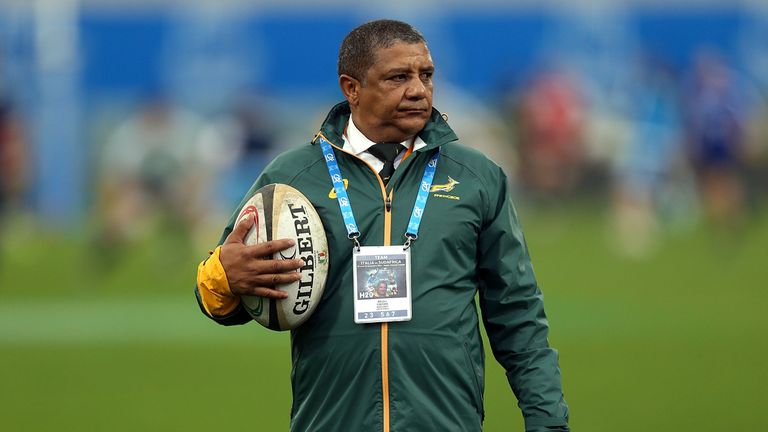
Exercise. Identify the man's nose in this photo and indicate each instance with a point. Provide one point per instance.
(416, 89)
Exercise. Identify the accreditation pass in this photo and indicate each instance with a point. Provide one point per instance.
(382, 284)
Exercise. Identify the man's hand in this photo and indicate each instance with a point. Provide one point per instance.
(251, 270)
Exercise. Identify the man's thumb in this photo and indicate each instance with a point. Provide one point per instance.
(241, 230)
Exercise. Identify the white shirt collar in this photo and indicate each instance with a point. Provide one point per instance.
(357, 143)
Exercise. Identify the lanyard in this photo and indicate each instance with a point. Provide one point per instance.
(353, 232)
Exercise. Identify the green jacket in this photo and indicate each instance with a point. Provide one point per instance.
(426, 374)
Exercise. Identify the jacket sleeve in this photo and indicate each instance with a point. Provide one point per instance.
(211, 283)
(215, 299)
(513, 314)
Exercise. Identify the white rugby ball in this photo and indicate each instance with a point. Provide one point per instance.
(284, 212)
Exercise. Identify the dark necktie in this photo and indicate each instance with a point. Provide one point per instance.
(386, 152)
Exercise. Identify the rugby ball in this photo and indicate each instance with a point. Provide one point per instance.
(283, 212)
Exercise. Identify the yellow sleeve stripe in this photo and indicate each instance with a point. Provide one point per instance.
(213, 286)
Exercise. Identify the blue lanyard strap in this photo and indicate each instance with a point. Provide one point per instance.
(341, 194)
(353, 232)
(421, 199)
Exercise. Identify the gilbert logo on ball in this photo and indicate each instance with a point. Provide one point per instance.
(284, 212)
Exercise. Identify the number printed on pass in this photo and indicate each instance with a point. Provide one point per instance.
(382, 284)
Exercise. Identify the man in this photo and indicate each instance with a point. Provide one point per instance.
(426, 373)
(381, 289)
(13, 158)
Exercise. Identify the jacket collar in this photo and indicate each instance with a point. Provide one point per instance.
(435, 133)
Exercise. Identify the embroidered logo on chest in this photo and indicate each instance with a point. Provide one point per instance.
(445, 187)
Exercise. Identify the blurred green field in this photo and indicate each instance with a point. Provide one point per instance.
(673, 342)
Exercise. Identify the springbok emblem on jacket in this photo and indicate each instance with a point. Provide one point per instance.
(447, 187)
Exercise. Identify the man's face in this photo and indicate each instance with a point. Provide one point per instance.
(394, 101)
(382, 289)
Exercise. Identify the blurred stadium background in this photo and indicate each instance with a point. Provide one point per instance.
(634, 134)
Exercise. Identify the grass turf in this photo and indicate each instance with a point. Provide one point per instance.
(672, 342)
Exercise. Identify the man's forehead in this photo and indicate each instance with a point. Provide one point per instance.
(403, 55)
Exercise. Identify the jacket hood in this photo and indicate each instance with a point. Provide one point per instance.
(435, 133)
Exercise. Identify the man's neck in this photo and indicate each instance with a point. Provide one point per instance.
(377, 137)
(360, 141)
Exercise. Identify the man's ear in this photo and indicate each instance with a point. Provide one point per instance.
(350, 87)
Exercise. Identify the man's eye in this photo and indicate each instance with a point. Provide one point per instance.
(426, 76)
(399, 78)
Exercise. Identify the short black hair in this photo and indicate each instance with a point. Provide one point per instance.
(358, 50)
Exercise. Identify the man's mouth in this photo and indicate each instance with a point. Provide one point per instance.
(412, 111)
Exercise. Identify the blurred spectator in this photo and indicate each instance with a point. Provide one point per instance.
(643, 167)
(476, 122)
(13, 159)
(249, 136)
(152, 173)
(756, 152)
(551, 126)
(715, 121)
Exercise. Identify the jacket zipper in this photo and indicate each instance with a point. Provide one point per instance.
(384, 326)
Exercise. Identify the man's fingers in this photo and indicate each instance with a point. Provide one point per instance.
(241, 230)
(267, 249)
(264, 292)
(276, 266)
(269, 280)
